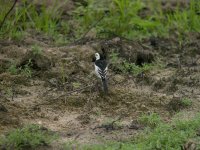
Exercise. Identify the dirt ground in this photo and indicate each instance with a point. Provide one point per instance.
(63, 94)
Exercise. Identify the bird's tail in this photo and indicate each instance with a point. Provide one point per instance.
(105, 86)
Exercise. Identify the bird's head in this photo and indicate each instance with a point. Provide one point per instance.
(97, 56)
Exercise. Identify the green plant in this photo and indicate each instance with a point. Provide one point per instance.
(186, 102)
(120, 17)
(76, 85)
(112, 124)
(28, 137)
(185, 20)
(26, 16)
(151, 120)
(127, 67)
(26, 70)
(13, 69)
(37, 50)
(166, 136)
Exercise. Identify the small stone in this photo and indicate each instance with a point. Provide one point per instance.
(3, 108)
(117, 39)
(143, 107)
(42, 115)
(55, 118)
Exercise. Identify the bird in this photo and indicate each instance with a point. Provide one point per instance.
(101, 68)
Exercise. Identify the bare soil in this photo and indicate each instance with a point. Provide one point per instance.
(63, 96)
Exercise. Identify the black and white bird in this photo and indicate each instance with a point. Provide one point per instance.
(101, 68)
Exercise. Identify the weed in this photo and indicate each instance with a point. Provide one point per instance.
(26, 16)
(76, 85)
(63, 75)
(151, 120)
(26, 70)
(114, 57)
(28, 137)
(121, 17)
(112, 124)
(37, 50)
(9, 92)
(126, 67)
(186, 102)
(166, 136)
(13, 69)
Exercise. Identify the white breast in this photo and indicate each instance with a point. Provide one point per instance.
(96, 71)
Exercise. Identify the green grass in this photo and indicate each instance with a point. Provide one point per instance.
(127, 67)
(186, 102)
(28, 137)
(151, 120)
(25, 70)
(25, 16)
(36, 49)
(120, 17)
(13, 69)
(164, 136)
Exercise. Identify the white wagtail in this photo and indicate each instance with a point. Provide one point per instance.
(101, 68)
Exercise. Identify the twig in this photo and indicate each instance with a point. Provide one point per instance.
(1, 25)
(77, 90)
(67, 94)
(13, 92)
(124, 38)
(91, 27)
(116, 35)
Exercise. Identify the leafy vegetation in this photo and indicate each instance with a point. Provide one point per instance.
(25, 70)
(13, 69)
(26, 16)
(186, 102)
(122, 18)
(125, 66)
(166, 136)
(37, 50)
(105, 18)
(30, 136)
(151, 120)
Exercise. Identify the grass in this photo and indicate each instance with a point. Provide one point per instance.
(13, 69)
(122, 18)
(106, 18)
(186, 102)
(25, 70)
(28, 137)
(36, 49)
(163, 136)
(26, 16)
(126, 67)
(151, 120)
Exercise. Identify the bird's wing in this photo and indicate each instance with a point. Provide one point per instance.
(101, 68)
